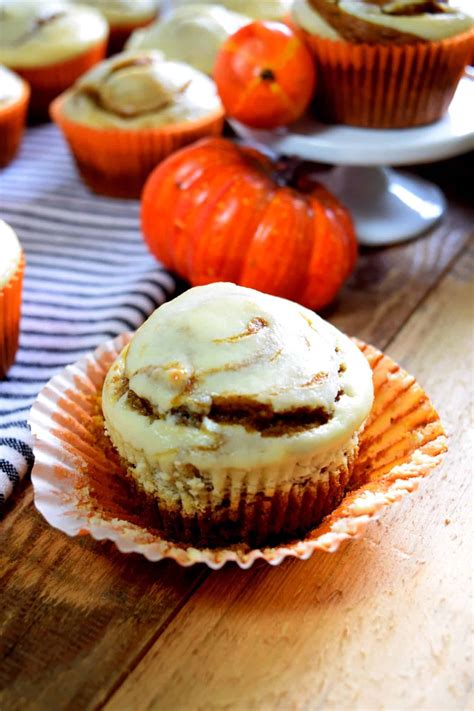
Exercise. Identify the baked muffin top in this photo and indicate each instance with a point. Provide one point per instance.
(11, 87)
(381, 21)
(140, 90)
(256, 9)
(230, 376)
(41, 32)
(191, 34)
(10, 253)
(123, 12)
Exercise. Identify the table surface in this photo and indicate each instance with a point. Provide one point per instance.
(385, 623)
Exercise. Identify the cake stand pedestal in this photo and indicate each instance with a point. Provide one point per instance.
(387, 206)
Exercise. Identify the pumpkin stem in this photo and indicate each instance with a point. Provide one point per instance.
(286, 171)
(267, 75)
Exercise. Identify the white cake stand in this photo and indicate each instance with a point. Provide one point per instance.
(387, 206)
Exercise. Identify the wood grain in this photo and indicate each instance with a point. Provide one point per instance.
(75, 613)
(77, 616)
(386, 623)
(389, 283)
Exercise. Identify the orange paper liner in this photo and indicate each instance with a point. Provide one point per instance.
(48, 81)
(12, 124)
(387, 86)
(78, 479)
(253, 518)
(10, 306)
(116, 162)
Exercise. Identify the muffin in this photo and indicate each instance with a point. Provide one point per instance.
(14, 97)
(129, 112)
(256, 9)
(123, 17)
(191, 34)
(50, 43)
(11, 278)
(237, 416)
(385, 63)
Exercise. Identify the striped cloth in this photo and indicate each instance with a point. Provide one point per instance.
(88, 277)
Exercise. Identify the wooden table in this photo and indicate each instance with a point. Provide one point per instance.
(383, 624)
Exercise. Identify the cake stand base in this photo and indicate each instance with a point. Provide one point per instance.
(387, 206)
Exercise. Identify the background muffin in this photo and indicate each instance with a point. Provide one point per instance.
(385, 63)
(50, 44)
(128, 113)
(237, 415)
(11, 278)
(256, 9)
(123, 17)
(14, 97)
(192, 34)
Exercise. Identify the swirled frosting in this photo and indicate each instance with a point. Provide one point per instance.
(228, 376)
(374, 21)
(191, 34)
(11, 87)
(140, 90)
(123, 12)
(10, 253)
(41, 32)
(256, 9)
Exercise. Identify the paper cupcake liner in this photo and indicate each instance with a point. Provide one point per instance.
(387, 86)
(47, 82)
(12, 124)
(79, 482)
(255, 506)
(10, 306)
(116, 162)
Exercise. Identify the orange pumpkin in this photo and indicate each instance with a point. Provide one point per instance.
(213, 212)
(265, 75)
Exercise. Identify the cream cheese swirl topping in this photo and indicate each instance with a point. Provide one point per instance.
(191, 34)
(42, 32)
(120, 12)
(224, 375)
(10, 253)
(11, 86)
(256, 9)
(140, 90)
(373, 21)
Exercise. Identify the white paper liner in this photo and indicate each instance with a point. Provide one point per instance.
(402, 442)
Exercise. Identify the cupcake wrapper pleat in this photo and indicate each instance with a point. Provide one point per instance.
(248, 513)
(80, 486)
(387, 86)
(47, 82)
(117, 162)
(10, 306)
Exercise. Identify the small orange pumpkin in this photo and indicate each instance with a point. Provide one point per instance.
(265, 75)
(213, 212)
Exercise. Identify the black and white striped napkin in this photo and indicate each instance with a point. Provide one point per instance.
(88, 277)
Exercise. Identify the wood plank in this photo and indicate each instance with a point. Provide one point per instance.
(75, 614)
(386, 622)
(79, 610)
(389, 283)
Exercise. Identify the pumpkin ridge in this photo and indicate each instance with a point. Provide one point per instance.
(200, 247)
(215, 213)
(186, 241)
(258, 211)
